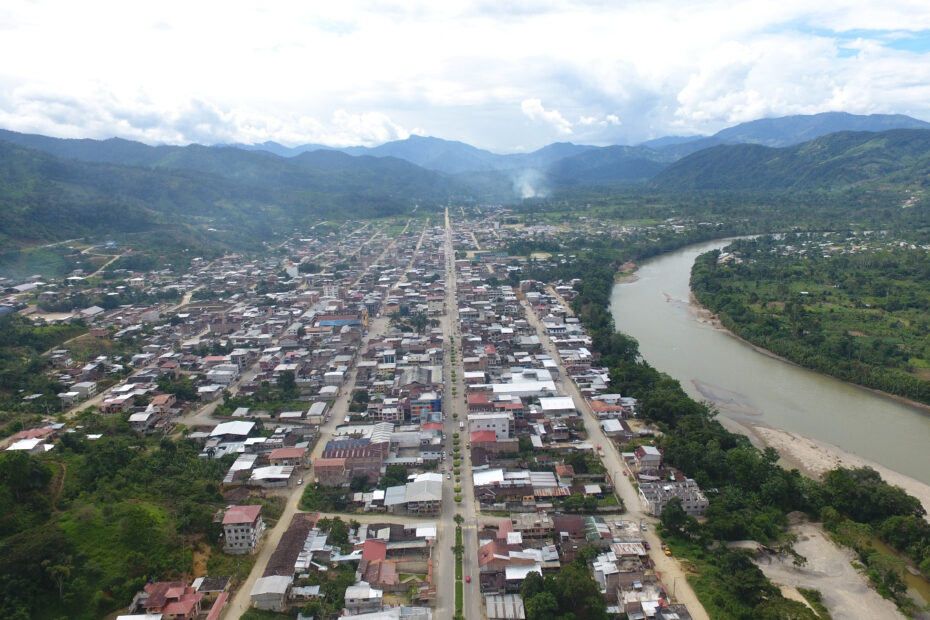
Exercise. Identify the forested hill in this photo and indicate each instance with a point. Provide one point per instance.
(835, 161)
(45, 198)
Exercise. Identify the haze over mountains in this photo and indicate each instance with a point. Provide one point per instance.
(53, 189)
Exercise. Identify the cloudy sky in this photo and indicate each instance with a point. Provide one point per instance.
(506, 78)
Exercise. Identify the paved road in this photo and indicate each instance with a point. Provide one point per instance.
(445, 604)
(670, 570)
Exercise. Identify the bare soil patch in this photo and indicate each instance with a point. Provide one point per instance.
(846, 592)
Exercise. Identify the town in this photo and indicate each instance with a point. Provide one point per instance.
(408, 428)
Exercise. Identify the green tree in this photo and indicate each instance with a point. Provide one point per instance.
(532, 585)
(541, 606)
(675, 521)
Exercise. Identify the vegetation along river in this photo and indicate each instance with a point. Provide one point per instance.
(749, 386)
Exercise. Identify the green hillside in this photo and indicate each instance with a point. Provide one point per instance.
(45, 198)
(835, 161)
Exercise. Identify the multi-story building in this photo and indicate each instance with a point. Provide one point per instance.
(242, 528)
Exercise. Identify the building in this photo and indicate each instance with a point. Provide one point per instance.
(500, 423)
(655, 496)
(271, 592)
(331, 472)
(647, 457)
(242, 528)
(294, 457)
(362, 598)
(172, 599)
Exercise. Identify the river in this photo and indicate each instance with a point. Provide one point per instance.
(749, 386)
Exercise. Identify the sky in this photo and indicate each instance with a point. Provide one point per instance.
(506, 76)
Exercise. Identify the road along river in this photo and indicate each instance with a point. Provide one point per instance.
(752, 388)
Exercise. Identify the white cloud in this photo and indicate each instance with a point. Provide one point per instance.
(533, 108)
(588, 121)
(364, 71)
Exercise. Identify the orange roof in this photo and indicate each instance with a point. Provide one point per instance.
(241, 514)
(374, 550)
(217, 608)
(483, 436)
(333, 462)
(287, 453)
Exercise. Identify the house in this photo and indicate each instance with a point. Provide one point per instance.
(270, 592)
(647, 457)
(142, 421)
(163, 402)
(172, 599)
(294, 457)
(86, 389)
(242, 528)
(330, 472)
(361, 598)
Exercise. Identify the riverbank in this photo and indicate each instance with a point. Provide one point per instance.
(813, 457)
(681, 338)
(705, 316)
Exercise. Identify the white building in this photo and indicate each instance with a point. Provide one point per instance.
(362, 598)
(500, 423)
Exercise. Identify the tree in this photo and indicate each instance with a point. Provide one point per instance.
(675, 521)
(578, 461)
(338, 532)
(394, 475)
(59, 573)
(532, 585)
(287, 382)
(542, 606)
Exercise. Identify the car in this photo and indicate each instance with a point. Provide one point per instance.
(300, 481)
(643, 526)
(467, 578)
(448, 476)
(646, 545)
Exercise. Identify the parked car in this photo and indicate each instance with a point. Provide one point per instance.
(448, 476)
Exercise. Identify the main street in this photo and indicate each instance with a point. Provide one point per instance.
(444, 568)
(668, 568)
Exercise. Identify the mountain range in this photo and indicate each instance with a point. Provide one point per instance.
(53, 189)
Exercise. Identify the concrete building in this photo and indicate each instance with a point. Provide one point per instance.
(242, 528)
(500, 423)
(655, 496)
(271, 592)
